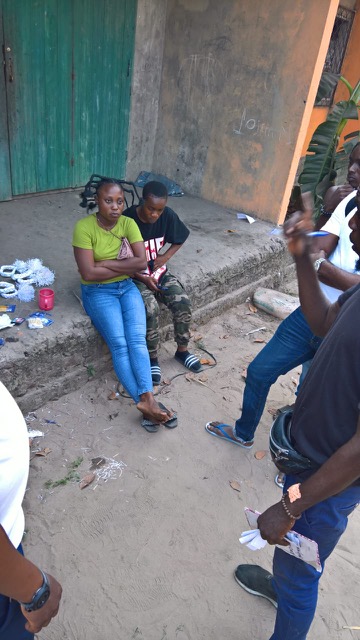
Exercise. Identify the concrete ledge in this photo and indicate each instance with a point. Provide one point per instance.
(218, 269)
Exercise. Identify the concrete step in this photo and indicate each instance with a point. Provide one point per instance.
(218, 269)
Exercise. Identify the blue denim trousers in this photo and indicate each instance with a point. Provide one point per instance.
(118, 313)
(292, 344)
(296, 582)
(12, 621)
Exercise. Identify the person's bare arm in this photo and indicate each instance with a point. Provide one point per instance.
(335, 475)
(336, 277)
(162, 258)
(335, 195)
(106, 269)
(327, 244)
(328, 273)
(319, 312)
(20, 579)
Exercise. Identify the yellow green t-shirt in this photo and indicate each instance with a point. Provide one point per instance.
(105, 245)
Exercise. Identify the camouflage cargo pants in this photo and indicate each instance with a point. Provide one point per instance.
(177, 301)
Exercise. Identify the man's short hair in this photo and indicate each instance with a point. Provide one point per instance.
(156, 189)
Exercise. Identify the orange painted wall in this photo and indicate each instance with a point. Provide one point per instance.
(351, 71)
(238, 84)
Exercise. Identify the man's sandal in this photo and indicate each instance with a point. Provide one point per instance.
(245, 444)
(189, 361)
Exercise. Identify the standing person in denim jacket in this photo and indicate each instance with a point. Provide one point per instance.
(110, 297)
(160, 225)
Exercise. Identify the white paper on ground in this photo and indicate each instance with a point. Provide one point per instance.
(299, 547)
(5, 321)
(244, 216)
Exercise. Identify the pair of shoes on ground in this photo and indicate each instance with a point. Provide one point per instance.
(257, 581)
(186, 358)
(152, 427)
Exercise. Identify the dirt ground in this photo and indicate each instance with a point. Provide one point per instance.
(148, 550)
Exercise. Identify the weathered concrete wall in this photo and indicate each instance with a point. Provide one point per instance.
(145, 91)
(236, 76)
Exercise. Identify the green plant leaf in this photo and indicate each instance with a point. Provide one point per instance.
(323, 144)
(321, 158)
(328, 82)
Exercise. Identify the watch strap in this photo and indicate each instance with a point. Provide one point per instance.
(318, 263)
(40, 596)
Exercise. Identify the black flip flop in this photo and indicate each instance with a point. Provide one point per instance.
(150, 426)
(172, 422)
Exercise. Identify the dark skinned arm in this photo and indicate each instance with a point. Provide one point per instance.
(319, 312)
(328, 273)
(162, 258)
(336, 277)
(106, 269)
(335, 195)
(343, 467)
(335, 475)
(20, 578)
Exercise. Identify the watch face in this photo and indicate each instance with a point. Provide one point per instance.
(44, 598)
(39, 599)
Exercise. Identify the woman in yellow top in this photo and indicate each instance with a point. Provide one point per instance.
(111, 299)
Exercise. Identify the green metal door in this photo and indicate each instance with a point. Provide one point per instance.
(68, 70)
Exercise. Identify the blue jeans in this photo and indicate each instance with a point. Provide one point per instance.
(118, 313)
(292, 344)
(296, 582)
(12, 621)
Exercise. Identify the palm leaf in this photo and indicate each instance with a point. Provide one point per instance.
(342, 155)
(328, 82)
(320, 154)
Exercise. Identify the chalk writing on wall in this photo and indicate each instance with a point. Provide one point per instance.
(250, 126)
(200, 73)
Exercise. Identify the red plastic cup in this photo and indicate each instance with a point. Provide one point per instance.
(46, 299)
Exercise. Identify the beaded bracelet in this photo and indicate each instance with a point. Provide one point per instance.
(324, 212)
(287, 510)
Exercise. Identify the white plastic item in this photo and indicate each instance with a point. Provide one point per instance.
(275, 303)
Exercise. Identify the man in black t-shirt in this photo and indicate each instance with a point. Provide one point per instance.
(160, 225)
(325, 428)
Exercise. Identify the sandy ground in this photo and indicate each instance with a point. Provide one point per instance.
(148, 550)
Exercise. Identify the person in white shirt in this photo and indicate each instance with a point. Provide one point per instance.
(29, 598)
(294, 343)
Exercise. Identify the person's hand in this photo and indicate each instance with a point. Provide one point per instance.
(296, 229)
(335, 195)
(274, 524)
(151, 284)
(36, 620)
(159, 262)
(318, 255)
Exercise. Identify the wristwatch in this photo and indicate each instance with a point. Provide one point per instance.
(40, 596)
(318, 262)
